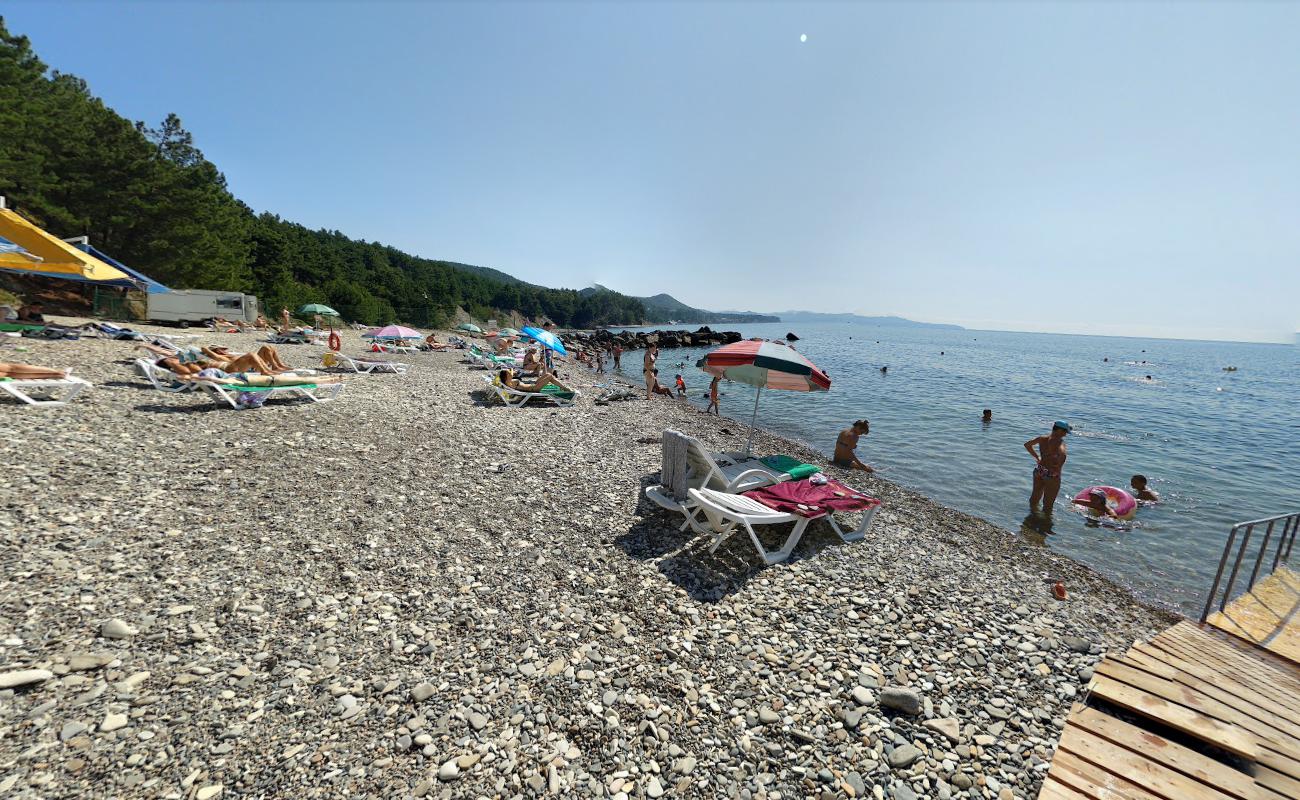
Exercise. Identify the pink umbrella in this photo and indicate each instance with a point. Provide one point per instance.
(393, 332)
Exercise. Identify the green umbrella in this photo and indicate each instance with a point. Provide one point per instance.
(507, 332)
(469, 326)
(317, 308)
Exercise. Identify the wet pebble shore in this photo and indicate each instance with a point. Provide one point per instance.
(410, 593)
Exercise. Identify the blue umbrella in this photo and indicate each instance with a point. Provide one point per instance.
(546, 338)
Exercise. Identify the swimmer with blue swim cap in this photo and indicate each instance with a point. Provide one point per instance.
(1049, 458)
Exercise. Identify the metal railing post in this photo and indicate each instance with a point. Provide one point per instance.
(1284, 541)
(1236, 564)
(1218, 574)
(1259, 557)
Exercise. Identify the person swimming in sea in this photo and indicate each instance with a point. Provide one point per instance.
(1050, 459)
(987, 416)
(1140, 490)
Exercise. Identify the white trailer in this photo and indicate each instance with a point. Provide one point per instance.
(187, 306)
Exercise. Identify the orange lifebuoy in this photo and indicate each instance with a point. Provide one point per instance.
(336, 343)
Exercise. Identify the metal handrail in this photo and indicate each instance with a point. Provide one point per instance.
(1285, 542)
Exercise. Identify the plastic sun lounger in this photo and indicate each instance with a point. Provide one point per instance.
(366, 366)
(48, 388)
(229, 393)
(514, 398)
(720, 471)
(293, 338)
(719, 514)
(396, 348)
(163, 379)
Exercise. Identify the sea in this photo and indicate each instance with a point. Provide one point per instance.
(1219, 446)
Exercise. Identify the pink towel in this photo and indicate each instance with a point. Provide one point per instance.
(808, 500)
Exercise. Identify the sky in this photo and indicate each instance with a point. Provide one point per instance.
(1109, 168)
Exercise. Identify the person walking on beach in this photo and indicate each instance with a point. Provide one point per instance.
(546, 351)
(617, 350)
(648, 367)
(847, 443)
(1050, 458)
(713, 396)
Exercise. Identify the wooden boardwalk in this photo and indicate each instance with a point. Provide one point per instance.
(1194, 714)
(1268, 615)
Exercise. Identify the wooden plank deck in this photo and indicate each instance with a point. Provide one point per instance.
(1205, 715)
(1268, 615)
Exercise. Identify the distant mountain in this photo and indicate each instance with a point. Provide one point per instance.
(663, 307)
(857, 319)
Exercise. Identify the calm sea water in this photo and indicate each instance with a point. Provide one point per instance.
(1220, 447)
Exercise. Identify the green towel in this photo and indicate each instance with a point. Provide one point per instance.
(242, 388)
(557, 392)
(792, 466)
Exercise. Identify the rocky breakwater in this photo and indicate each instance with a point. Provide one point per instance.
(639, 340)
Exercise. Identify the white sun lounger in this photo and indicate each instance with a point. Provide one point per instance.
(704, 470)
(229, 394)
(294, 338)
(366, 366)
(50, 391)
(163, 379)
(517, 399)
(396, 348)
(718, 514)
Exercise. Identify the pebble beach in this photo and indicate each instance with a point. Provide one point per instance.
(413, 592)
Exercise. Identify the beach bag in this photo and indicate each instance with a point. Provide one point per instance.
(247, 400)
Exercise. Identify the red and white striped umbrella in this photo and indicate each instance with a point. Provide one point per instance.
(767, 365)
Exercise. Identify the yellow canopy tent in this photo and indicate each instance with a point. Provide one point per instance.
(57, 257)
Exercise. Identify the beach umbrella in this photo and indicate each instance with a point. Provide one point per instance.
(392, 332)
(545, 338)
(507, 332)
(766, 365)
(317, 308)
(469, 326)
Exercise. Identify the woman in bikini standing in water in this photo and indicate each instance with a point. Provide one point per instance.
(1051, 458)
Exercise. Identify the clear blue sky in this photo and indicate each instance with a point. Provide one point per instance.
(1088, 168)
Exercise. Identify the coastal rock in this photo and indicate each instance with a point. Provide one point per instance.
(902, 699)
(24, 677)
(116, 629)
(903, 756)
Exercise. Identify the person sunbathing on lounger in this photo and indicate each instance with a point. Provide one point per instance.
(431, 343)
(509, 380)
(211, 375)
(190, 360)
(26, 372)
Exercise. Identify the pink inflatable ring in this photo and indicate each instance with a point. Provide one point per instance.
(1117, 500)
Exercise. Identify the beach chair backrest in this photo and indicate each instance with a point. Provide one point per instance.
(673, 469)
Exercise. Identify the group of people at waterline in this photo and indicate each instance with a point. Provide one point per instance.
(1049, 453)
(1101, 502)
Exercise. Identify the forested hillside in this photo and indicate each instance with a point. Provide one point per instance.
(148, 197)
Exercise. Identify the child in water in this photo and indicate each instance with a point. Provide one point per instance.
(1096, 505)
(1140, 490)
(681, 386)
